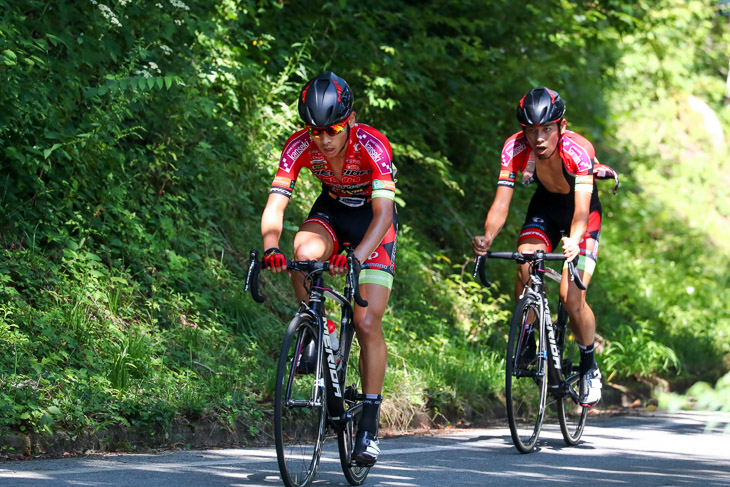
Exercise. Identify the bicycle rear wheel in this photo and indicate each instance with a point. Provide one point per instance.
(350, 375)
(572, 416)
(300, 408)
(526, 380)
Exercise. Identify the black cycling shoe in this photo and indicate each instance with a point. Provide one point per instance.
(528, 351)
(308, 357)
(366, 450)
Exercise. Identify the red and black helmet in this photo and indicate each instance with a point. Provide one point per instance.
(325, 100)
(540, 106)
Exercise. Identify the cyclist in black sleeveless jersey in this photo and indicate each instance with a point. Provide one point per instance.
(565, 209)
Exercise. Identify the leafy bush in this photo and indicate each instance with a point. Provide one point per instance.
(138, 140)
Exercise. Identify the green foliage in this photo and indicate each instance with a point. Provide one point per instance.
(703, 397)
(137, 140)
(630, 343)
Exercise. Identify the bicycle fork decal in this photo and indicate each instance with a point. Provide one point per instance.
(553, 345)
(331, 363)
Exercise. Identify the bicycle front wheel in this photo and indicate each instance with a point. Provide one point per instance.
(299, 407)
(526, 375)
(572, 416)
(352, 406)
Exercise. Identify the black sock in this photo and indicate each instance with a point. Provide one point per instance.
(587, 359)
(370, 413)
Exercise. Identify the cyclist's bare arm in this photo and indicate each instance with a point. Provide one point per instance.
(379, 225)
(272, 220)
(578, 225)
(496, 218)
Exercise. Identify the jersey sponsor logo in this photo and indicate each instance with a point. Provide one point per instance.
(387, 185)
(292, 152)
(577, 154)
(349, 180)
(537, 219)
(319, 164)
(350, 172)
(322, 172)
(352, 202)
(353, 188)
(504, 174)
(283, 182)
(277, 190)
(513, 148)
(376, 150)
(374, 255)
(377, 155)
(352, 167)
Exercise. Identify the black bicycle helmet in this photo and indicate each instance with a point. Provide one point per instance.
(325, 100)
(540, 106)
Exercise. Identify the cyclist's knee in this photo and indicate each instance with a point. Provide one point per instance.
(369, 327)
(312, 245)
(310, 250)
(574, 304)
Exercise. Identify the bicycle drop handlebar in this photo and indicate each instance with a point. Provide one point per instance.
(522, 258)
(306, 266)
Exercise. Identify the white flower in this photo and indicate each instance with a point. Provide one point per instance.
(178, 21)
(158, 5)
(179, 4)
(166, 49)
(109, 15)
(690, 290)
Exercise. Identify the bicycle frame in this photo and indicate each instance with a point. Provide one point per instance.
(536, 287)
(558, 380)
(553, 371)
(320, 388)
(318, 293)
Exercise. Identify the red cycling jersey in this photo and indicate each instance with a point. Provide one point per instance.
(367, 173)
(576, 152)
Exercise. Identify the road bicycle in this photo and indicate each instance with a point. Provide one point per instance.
(312, 396)
(554, 370)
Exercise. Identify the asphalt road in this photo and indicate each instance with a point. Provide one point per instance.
(655, 449)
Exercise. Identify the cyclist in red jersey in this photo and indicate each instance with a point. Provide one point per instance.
(354, 163)
(564, 209)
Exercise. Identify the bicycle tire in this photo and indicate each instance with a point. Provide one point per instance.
(526, 386)
(354, 474)
(298, 428)
(571, 415)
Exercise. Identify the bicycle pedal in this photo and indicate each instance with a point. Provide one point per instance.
(351, 394)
